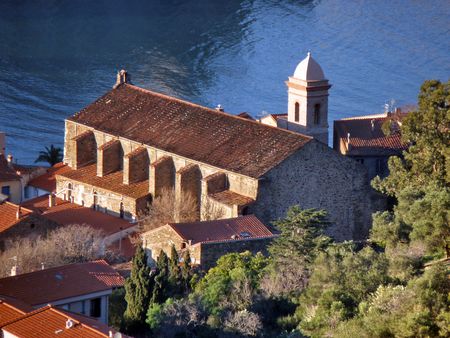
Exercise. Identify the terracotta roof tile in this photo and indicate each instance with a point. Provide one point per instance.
(191, 131)
(47, 181)
(112, 182)
(8, 215)
(11, 309)
(66, 213)
(244, 227)
(6, 172)
(229, 197)
(51, 322)
(49, 285)
(368, 141)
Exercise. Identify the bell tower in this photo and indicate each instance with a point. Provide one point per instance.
(308, 100)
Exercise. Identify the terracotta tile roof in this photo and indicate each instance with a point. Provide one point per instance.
(229, 197)
(51, 322)
(8, 215)
(47, 181)
(11, 309)
(244, 227)
(50, 285)
(66, 213)
(245, 115)
(191, 131)
(368, 141)
(6, 172)
(112, 182)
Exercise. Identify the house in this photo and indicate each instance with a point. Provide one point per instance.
(11, 308)
(208, 240)
(362, 138)
(14, 177)
(45, 183)
(49, 321)
(81, 287)
(17, 221)
(65, 213)
(128, 146)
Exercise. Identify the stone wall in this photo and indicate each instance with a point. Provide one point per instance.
(216, 182)
(159, 239)
(188, 183)
(318, 177)
(162, 175)
(211, 252)
(109, 158)
(135, 166)
(84, 149)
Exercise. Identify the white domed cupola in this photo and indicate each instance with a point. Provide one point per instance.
(308, 100)
(309, 70)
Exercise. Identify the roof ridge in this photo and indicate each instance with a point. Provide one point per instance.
(26, 315)
(18, 205)
(65, 314)
(148, 91)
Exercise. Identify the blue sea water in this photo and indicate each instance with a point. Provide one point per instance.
(56, 56)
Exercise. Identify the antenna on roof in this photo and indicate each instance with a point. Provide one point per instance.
(219, 108)
(69, 323)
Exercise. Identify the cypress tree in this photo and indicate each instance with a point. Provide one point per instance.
(138, 290)
(161, 279)
(186, 270)
(175, 278)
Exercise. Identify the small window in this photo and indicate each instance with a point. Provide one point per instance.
(297, 112)
(121, 211)
(183, 245)
(6, 190)
(96, 310)
(317, 114)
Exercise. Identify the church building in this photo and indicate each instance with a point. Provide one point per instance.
(128, 146)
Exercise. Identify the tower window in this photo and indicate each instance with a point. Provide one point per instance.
(317, 114)
(297, 112)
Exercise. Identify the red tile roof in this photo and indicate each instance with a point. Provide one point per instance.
(47, 181)
(366, 140)
(51, 322)
(11, 309)
(6, 172)
(191, 131)
(229, 197)
(8, 215)
(66, 213)
(112, 182)
(244, 227)
(50, 285)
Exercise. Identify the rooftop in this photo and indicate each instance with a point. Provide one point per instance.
(8, 212)
(309, 70)
(47, 181)
(66, 213)
(229, 197)
(112, 182)
(188, 130)
(367, 137)
(50, 285)
(50, 322)
(244, 227)
(11, 309)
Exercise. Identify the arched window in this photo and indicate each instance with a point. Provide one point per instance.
(121, 211)
(95, 201)
(69, 192)
(297, 112)
(317, 114)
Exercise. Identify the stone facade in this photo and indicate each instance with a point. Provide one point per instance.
(318, 177)
(109, 158)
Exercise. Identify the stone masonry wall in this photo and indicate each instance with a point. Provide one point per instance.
(84, 149)
(188, 182)
(162, 175)
(159, 239)
(135, 166)
(109, 158)
(215, 183)
(318, 177)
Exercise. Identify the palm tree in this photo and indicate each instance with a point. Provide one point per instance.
(51, 155)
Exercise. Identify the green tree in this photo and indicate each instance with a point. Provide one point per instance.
(51, 155)
(175, 277)
(138, 290)
(293, 252)
(420, 181)
(161, 284)
(186, 270)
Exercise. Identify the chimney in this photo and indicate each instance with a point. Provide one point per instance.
(122, 77)
(14, 270)
(51, 200)
(19, 212)
(2, 142)
(10, 160)
(219, 108)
